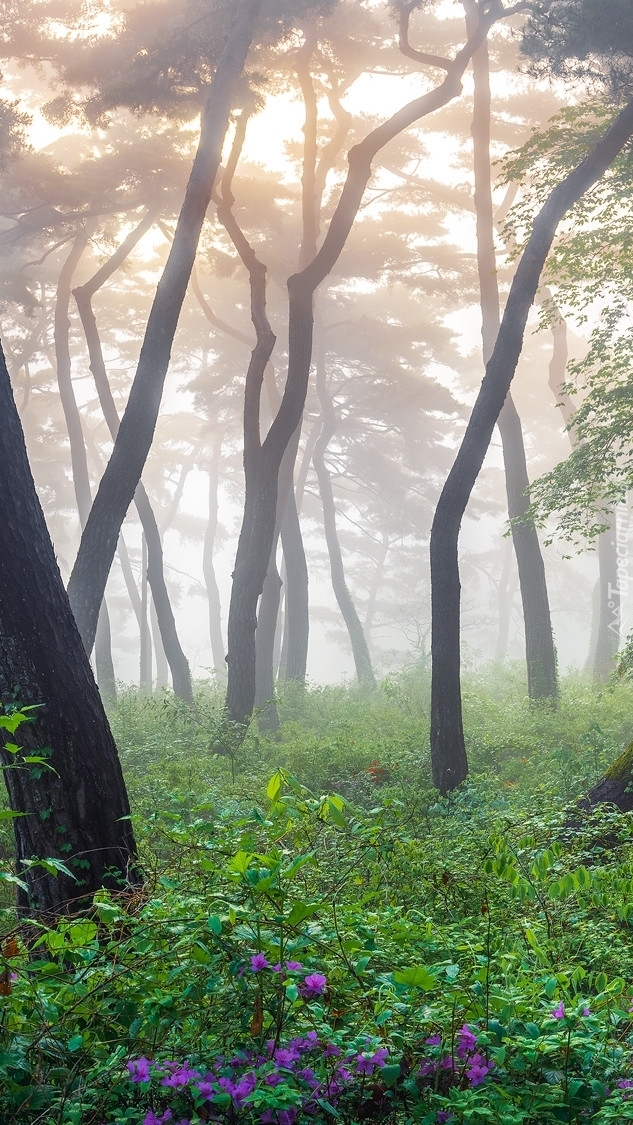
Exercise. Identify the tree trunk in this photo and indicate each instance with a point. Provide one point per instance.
(78, 812)
(162, 667)
(448, 753)
(181, 676)
(145, 655)
(616, 787)
(103, 658)
(123, 472)
(294, 653)
(539, 640)
(78, 459)
(345, 602)
(252, 564)
(213, 593)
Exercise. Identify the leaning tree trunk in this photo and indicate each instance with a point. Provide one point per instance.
(155, 571)
(78, 811)
(259, 523)
(124, 469)
(448, 752)
(79, 462)
(539, 640)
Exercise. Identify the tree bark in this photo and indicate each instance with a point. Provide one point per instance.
(213, 593)
(345, 602)
(448, 753)
(145, 653)
(539, 640)
(250, 570)
(123, 472)
(78, 459)
(78, 812)
(155, 571)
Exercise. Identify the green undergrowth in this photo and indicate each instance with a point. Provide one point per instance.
(320, 939)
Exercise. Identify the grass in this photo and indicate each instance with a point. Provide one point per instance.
(462, 960)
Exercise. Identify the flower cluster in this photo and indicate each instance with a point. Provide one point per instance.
(465, 1063)
(312, 986)
(276, 1086)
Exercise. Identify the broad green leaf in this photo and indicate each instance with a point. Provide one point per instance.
(214, 922)
(416, 977)
(300, 911)
(8, 814)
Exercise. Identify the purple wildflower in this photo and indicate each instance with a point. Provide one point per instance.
(274, 1078)
(294, 966)
(205, 1087)
(443, 1116)
(285, 1056)
(258, 962)
(331, 1050)
(478, 1069)
(308, 1076)
(466, 1041)
(366, 1063)
(559, 1012)
(586, 1011)
(313, 985)
(433, 1040)
(151, 1118)
(139, 1069)
(181, 1077)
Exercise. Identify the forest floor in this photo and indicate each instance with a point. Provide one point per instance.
(320, 938)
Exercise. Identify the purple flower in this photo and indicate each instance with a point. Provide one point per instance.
(314, 984)
(181, 1077)
(443, 1116)
(274, 1078)
(258, 962)
(466, 1041)
(331, 1050)
(478, 1069)
(308, 1076)
(294, 966)
(206, 1089)
(278, 1117)
(139, 1069)
(151, 1118)
(433, 1041)
(559, 1012)
(586, 1011)
(285, 1056)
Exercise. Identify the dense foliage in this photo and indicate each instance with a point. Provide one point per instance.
(373, 954)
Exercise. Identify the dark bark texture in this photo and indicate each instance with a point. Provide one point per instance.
(124, 469)
(75, 813)
(448, 753)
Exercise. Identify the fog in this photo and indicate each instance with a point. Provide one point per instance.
(397, 352)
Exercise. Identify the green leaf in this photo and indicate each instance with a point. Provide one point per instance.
(300, 911)
(82, 933)
(7, 877)
(416, 977)
(75, 1042)
(240, 862)
(274, 787)
(214, 922)
(8, 814)
(390, 1074)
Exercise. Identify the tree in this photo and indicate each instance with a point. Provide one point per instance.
(539, 640)
(259, 523)
(77, 810)
(448, 753)
(134, 437)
